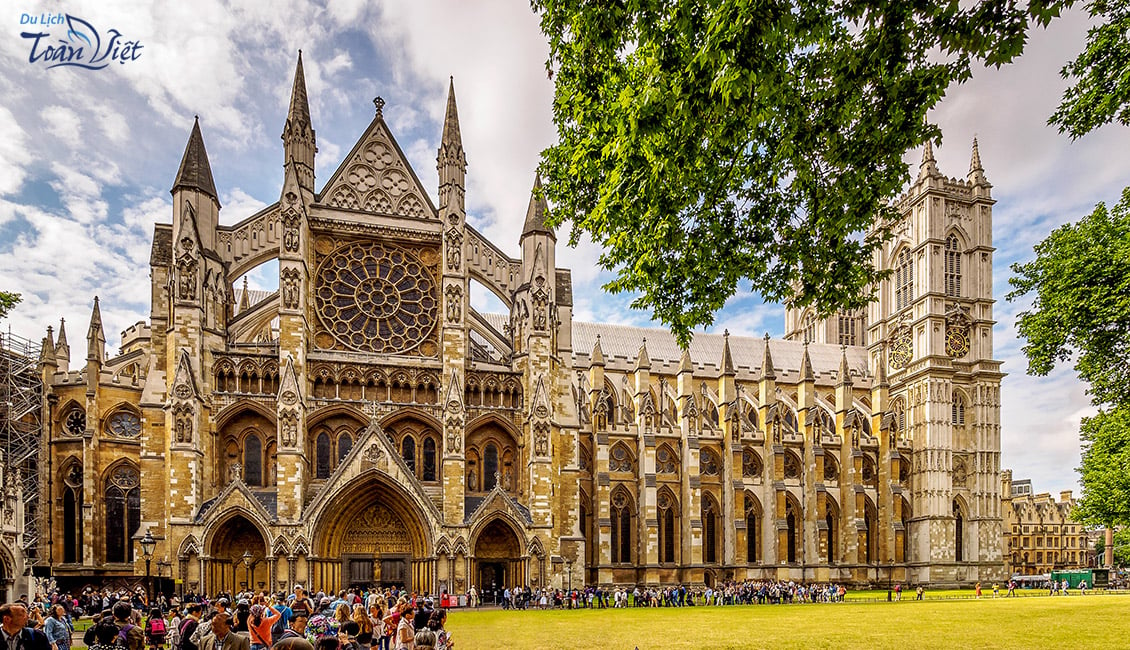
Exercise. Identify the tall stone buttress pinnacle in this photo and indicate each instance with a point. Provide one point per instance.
(535, 212)
(195, 172)
(928, 166)
(976, 171)
(451, 137)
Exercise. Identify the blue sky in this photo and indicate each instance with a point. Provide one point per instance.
(87, 157)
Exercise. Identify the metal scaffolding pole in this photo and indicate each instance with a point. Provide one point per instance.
(21, 428)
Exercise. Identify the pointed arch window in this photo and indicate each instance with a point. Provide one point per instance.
(904, 279)
(322, 456)
(791, 521)
(72, 514)
(752, 530)
(253, 460)
(408, 452)
(810, 328)
(621, 527)
(344, 445)
(958, 533)
(957, 410)
(123, 512)
(490, 466)
(709, 531)
(429, 473)
(667, 528)
(953, 266)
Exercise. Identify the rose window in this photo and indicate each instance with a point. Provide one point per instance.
(901, 351)
(376, 298)
(124, 424)
(75, 424)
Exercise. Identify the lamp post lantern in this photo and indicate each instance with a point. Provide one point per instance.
(247, 566)
(148, 544)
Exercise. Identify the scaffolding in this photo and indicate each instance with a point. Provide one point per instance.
(21, 428)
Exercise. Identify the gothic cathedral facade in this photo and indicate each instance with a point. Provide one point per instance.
(365, 425)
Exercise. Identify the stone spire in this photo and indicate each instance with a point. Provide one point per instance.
(195, 173)
(806, 373)
(95, 338)
(451, 137)
(928, 166)
(643, 361)
(47, 352)
(727, 358)
(767, 364)
(685, 363)
(62, 348)
(299, 140)
(535, 213)
(244, 299)
(845, 370)
(976, 171)
(597, 356)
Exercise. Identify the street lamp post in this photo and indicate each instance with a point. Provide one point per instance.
(148, 544)
(247, 566)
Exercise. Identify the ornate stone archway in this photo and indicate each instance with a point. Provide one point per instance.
(226, 568)
(499, 562)
(371, 534)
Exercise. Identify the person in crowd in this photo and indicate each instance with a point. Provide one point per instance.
(14, 619)
(259, 623)
(437, 623)
(322, 623)
(156, 629)
(104, 635)
(405, 629)
(130, 634)
(189, 626)
(222, 636)
(294, 636)
(57, 628)
(364, 627)
(423, 615)
(425, 639)
(173, 625)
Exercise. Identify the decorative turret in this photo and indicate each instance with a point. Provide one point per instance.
(845, 370)
(727, 364)
(535, 213)
(976, 175)
(806, 373)
(195, 200)
(643, 361)
(95, 337)
(62, 348)
(47, 353)
(299, 141)
(597, 356)
(195, 172)
(767, 371)
(685, 363)
(928, 167)
(451, 163)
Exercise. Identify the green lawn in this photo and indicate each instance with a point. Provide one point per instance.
(1096, 621)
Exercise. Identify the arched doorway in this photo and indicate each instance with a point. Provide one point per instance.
(237, 557)
(372, 535)
(498, 558)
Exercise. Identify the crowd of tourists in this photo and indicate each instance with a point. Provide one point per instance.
(349, 620)
(749, 592)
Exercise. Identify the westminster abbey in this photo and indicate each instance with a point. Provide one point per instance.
(364, 425)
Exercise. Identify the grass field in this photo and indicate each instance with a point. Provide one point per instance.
(1096, 621)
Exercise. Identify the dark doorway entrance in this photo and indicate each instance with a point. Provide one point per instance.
(394, 573)
(360, 572)
(492, 575)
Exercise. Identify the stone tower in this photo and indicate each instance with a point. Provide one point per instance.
(933, 323)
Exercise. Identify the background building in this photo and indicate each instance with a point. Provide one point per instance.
(364, 424)
(1039, 534)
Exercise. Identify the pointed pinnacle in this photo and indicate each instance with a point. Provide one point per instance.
(195, 173)
(244, 299)
(62, 341)
(597, 356)
(845, 370)
(767, 371)
(685, 364)
(451, 135)
(727, 357)
(975, 160)
(928, 167)
(806, 366)
(643, 362)
(299, 102)
(535, 212)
